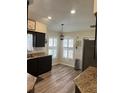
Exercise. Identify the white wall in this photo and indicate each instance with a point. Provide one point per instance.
(40, 27)
(95, 6)
(54, 34)
(78, 53)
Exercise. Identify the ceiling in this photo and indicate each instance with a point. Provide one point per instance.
(59, 10)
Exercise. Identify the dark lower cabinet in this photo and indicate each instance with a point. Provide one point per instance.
(32, 66)
(77, 89)
(44, 64)
(40, 65)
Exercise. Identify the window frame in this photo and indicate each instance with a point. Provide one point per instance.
(29, 42)
(68, 48)
(53, 47)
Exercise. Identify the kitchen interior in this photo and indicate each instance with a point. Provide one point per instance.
(62, 46)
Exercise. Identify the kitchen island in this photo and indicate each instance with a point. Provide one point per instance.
(31, 80)
(38, 64)
(86, 82)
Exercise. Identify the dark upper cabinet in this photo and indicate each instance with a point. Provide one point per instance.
(38, 39)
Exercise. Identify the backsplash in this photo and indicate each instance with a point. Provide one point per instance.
(37, 50)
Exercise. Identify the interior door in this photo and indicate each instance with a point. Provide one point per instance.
(89, 58)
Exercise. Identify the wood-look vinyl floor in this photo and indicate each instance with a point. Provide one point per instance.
(58, 80)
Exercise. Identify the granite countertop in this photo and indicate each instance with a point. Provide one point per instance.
(35, 55)
(87, 80)
(30, 81)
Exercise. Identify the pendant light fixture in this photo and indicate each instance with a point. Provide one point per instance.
(62, 35)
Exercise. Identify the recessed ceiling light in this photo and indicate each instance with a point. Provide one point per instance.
(49, 17)
(73, 11)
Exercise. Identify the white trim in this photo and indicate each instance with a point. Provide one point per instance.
(67, 64)
(55, 63)
(89, 38)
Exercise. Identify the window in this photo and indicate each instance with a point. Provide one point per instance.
(29, 42)
(52, 47)
(68, 48)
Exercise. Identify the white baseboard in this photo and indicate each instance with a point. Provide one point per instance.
(59, 62)
(55, 63)
(66, 64)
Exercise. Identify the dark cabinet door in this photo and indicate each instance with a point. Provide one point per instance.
(44, 64)
(77, 89)
(40, 39)
(32, 67)
(34, 39)
(40, 65)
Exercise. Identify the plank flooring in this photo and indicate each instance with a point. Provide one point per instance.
(58, 80)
